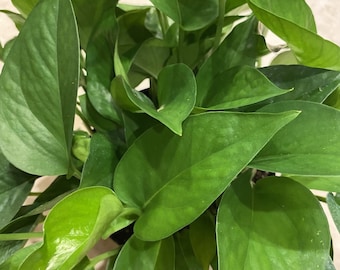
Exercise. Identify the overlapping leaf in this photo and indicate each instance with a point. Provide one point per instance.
(88, 212)
(277, 223)
(177, 178)
(38, 91)
(307, 146)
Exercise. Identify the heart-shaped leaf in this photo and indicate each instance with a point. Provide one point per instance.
(309, 145)
(293, 22)
(236, 87)
(273, 224)
(38, 85)
(190, 14)
(177, 178)
(73, 227)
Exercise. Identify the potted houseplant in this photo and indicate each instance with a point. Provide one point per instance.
(208, 164)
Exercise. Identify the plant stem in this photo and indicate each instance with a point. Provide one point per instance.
(163, 21)
(321, 199)
(101, 257)
(220, 23)
(180, 44)
(20, 236)
(82, 117)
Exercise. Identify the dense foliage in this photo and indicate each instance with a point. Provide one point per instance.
(211, 160)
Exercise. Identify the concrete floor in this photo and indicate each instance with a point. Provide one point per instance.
(328, 24)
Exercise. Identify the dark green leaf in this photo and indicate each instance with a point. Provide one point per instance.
(73, 227)
(39, 86)
(293, 22)
(235, 50)
(176, 97)
(334, 208)
(15, 186)
(190, 14)
(236, 87)
(136, 253)
(309, 145)
(273, 224)
(202, 238)
(171, 172)
(232, 4)
(103, 151)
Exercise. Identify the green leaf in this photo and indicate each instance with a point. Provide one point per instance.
(235, 50)
(99, 67)
(104, 152)
(331, 184)
(190, 14)
(334, 208)
(15, 186)
(159, 255)
(273, 224)
(293, 22)
(24, 6)
(236, 87)
(73, 227)
(18, 19)
(309, 145)
(171, 172)
(89, 15)
(39, 86)
(202, 238)
(176, 98)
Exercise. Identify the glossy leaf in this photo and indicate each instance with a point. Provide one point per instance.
(176, 97)
(331, 184)
(136, 253)
(307, 146)
(42, 98)
(190, 14)
(333, 203)
(15, 186)
(73, 227)
(273, 224)
(172, 171)
(104, 152)
(236, 87)
(293, 22)
(235, 50)
(89, 15)
(99, 67)
(202, 238)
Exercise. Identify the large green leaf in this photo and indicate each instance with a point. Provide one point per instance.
(73, 227)
(38, 88)
(273, 224)
(175, 97)
(293, 21)
(334, 208)
(235, 50)
(190, 14)
(104, 152)
(177, 178)
(236, 87)
(309, 145)
(137, 254)
(15, 186)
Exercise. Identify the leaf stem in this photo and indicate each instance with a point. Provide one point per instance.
(321, 199)
(102, 257)
(20, 236)
(220, 22)
(86, 123)
(180, 44)
(163, 21)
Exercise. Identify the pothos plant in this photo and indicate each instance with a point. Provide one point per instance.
(210, 163)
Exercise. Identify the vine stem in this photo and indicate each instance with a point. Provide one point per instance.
(20, 236)
(220, 23)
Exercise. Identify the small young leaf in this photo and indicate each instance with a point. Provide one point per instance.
(236, 87)
(309, 145)
(274, 224)
(177, 178)
(73, 227)
(39, 85)
(190, 14)
(137, 254)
